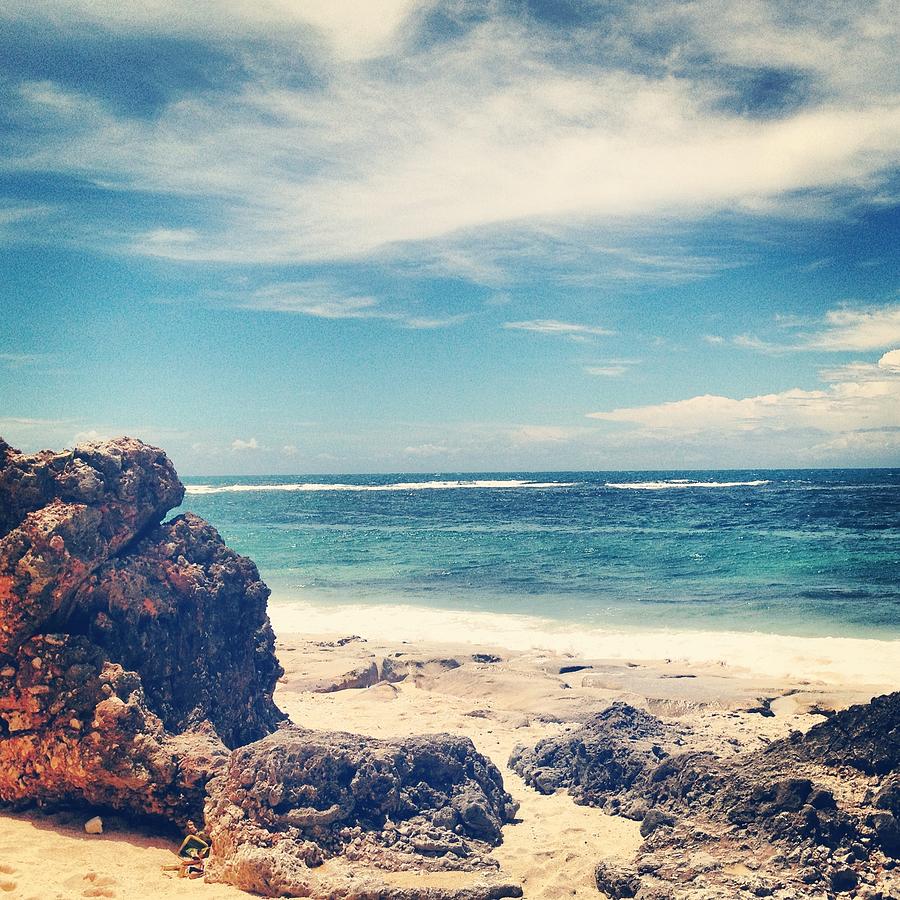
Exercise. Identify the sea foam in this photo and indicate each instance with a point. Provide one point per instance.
(675, 483)
(398, 486)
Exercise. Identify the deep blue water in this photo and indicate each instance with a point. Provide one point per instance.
(804, 552)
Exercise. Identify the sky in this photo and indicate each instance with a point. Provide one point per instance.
(324, 236)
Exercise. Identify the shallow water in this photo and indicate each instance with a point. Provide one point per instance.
(811, 552)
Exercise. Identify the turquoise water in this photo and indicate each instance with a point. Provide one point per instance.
(794, 552)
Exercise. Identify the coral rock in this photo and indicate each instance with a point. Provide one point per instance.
(298, 798)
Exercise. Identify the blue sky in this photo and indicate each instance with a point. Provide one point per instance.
(324, 236)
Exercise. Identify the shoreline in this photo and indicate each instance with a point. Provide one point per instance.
(827, 660)
(459, 674)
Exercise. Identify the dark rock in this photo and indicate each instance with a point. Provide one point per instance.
(655, 818)
(189, 615)
(598, 762)
(843, 880)
(886, 827)
(296, 798)
(132, 653)
(716, 816)
(79, 731)
(865, 736)
(616, 881)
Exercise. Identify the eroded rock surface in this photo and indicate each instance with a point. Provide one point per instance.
(136, 656)
(599, 762)
(812, 815)
(189, 615)
(79, 731)
(132, 654)
(287, 804)
(64, 514)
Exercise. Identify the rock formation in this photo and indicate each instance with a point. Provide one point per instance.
(814, 814)
(297, 798)
(132, 655)
(137, 669)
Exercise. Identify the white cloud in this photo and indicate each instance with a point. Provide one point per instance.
(841, 329)
(349, 30)
(611, 368)
(426, 450)
(858, 329)
(890, 360)
(552, 326)
(495, 129)
(89, 437)
(240, 445)
(867, 399)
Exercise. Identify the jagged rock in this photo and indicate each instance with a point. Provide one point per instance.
(389, 671)
(865, 736)
(771, 806)
(135, 655)
(78, 731)
(131, 653)
(289, 802)
(600, 761)
(616, 881)
(189, 615)
(62, 515)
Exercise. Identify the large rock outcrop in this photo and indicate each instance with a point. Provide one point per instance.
(133, 655)
(189, 615)
(137, 672)
(62, 515)
(814, 814)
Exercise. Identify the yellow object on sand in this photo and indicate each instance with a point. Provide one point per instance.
(192, 853)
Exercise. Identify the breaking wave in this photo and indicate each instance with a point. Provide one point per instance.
(399, 486)
(674, 483)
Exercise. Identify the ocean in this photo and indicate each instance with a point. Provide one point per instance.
(811, 553)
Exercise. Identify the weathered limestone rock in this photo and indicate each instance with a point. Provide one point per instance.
(136, 656)
(865, 737)
(64, 514)
(132, 655)
(78, 731)
(705, 817)
(189, 615)
(599, 762)
(297, 798)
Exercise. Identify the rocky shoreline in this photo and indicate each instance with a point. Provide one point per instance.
(139, 677)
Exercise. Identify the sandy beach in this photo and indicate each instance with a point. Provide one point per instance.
(505, 685)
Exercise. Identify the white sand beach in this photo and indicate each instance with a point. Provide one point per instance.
(498, 680)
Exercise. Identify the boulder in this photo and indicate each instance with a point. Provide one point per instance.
(288, 803)
(865, 737)
(190, 616)
(78, 730)
(600, 761)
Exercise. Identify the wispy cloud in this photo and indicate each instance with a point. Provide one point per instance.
(554, 327)
(504, 125)
(611, 368)
(240, 446)
(23, 360)
(324, 300)
(858, 329)
(841, 329)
